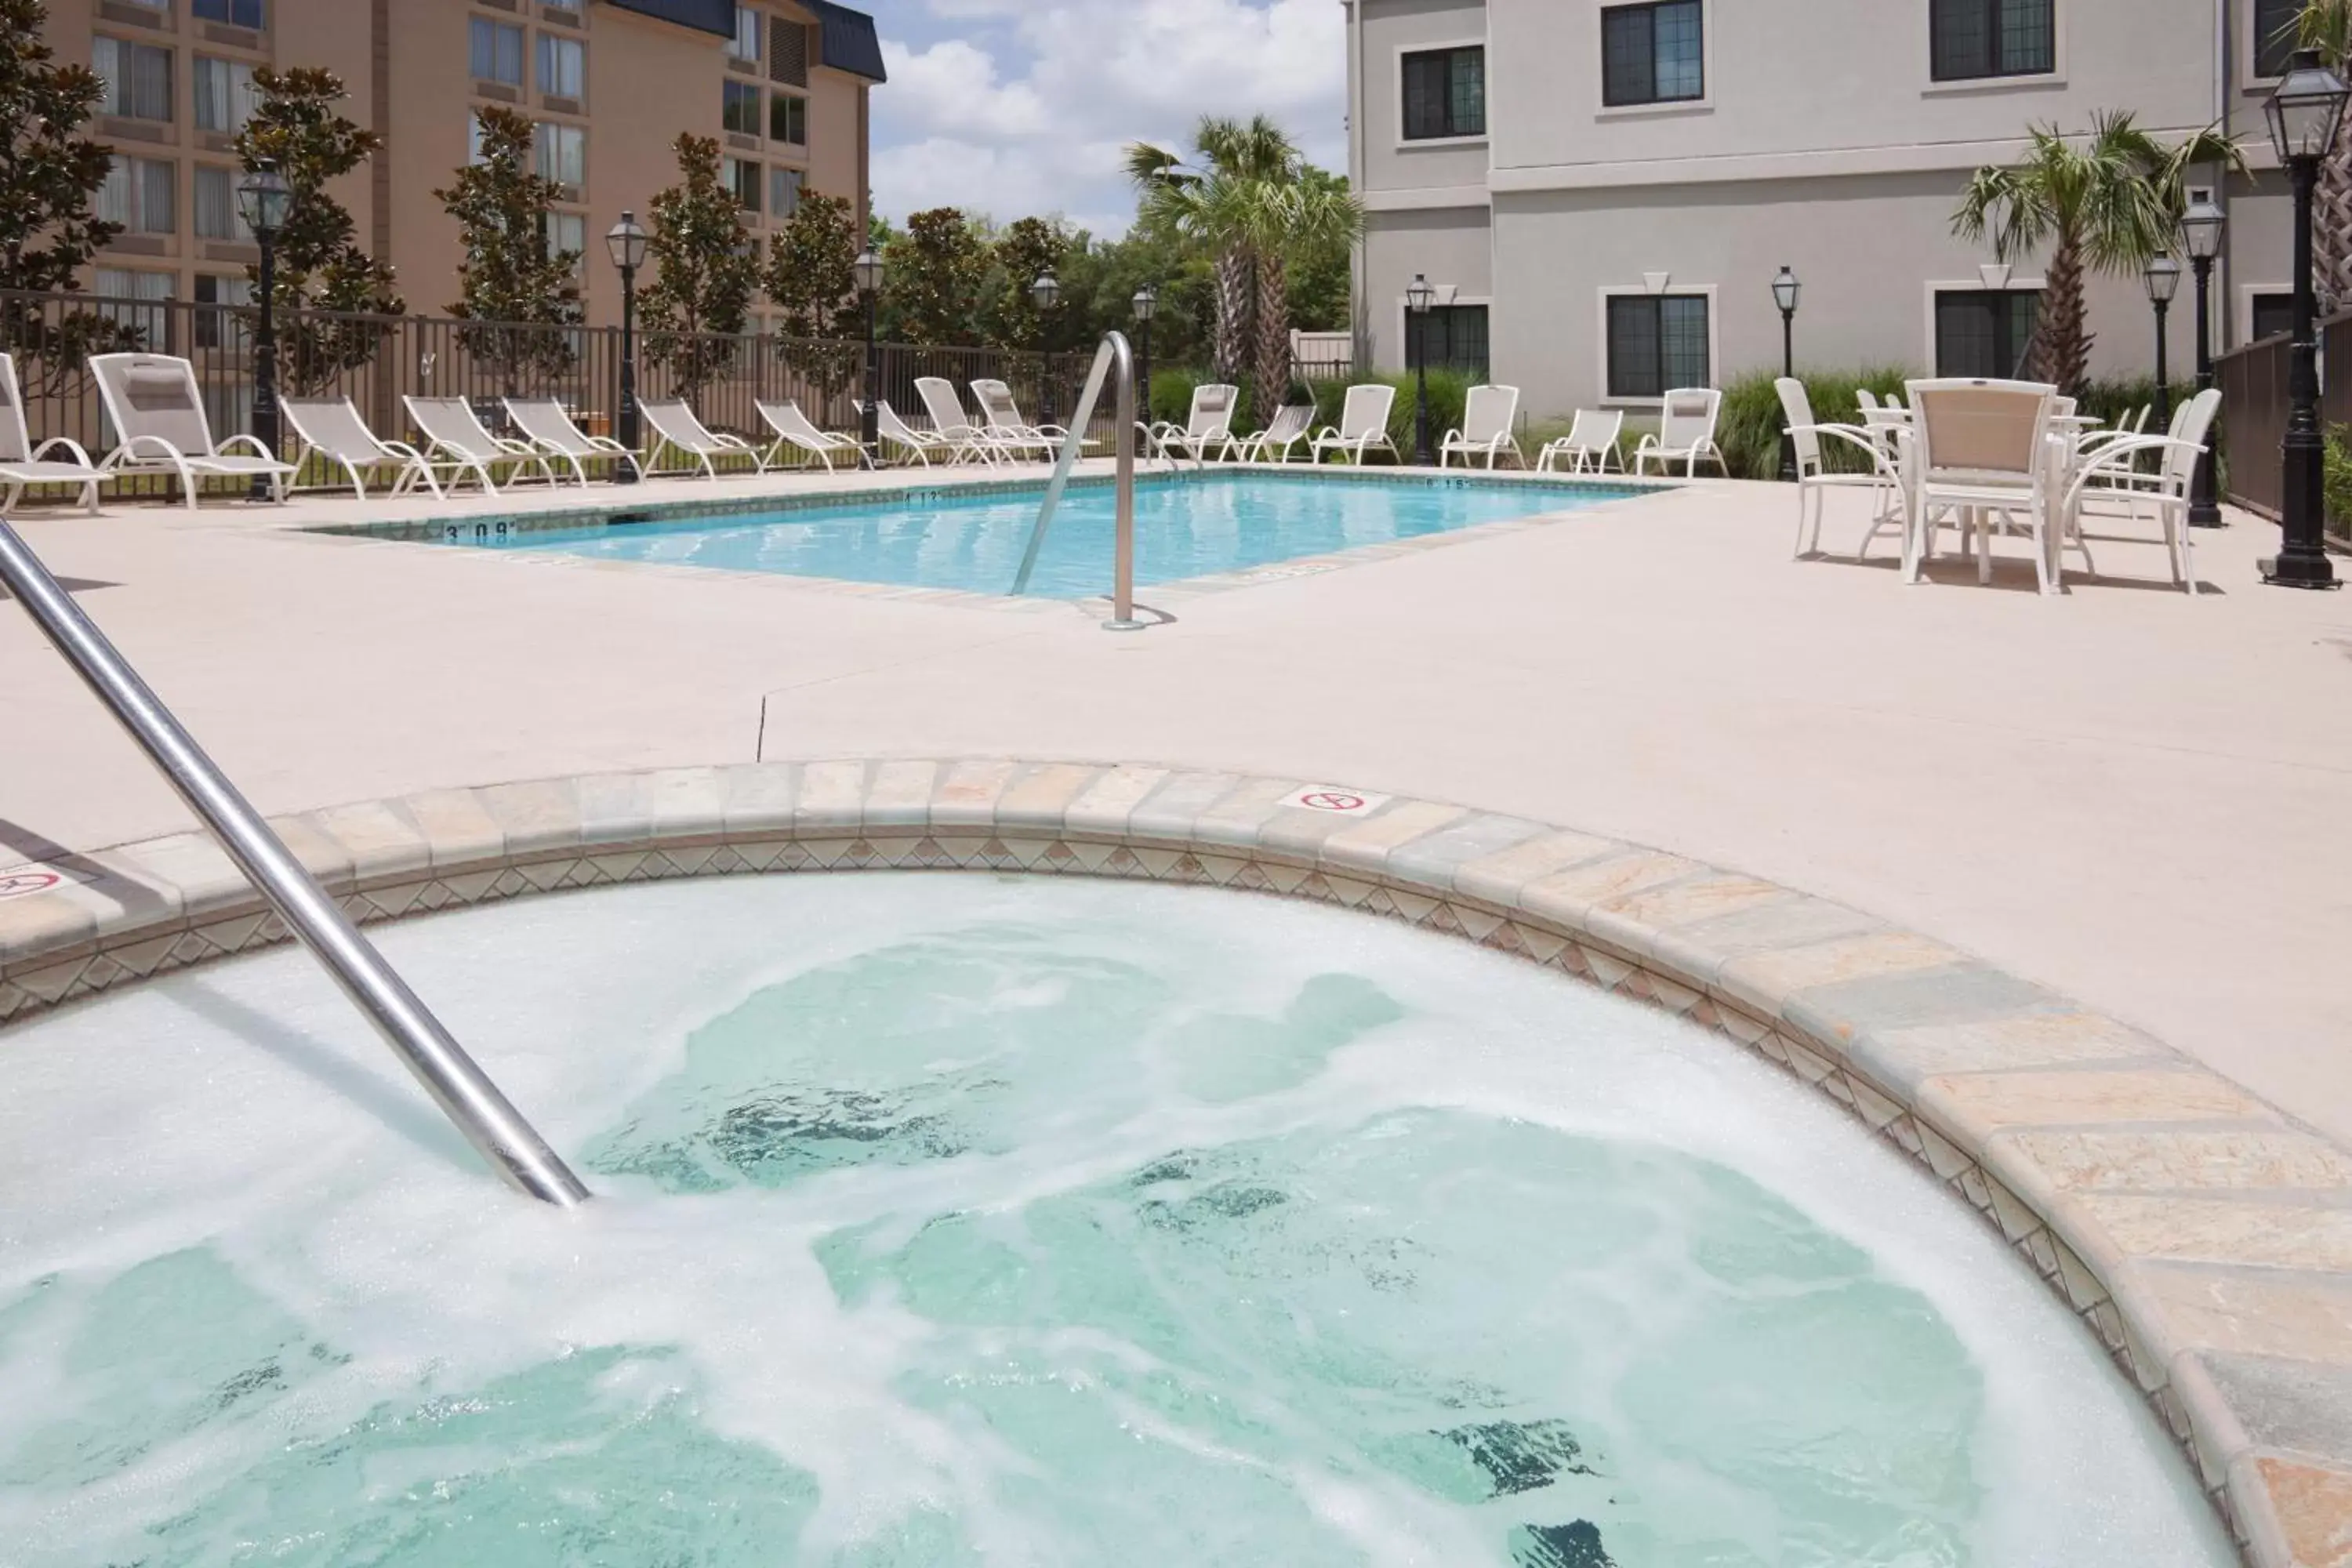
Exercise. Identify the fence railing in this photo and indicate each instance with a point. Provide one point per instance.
(2255, 405)
(376, 360)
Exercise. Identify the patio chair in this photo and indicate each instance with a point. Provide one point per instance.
(454, 434)
(890, 430)
(159, 416)
(792, 429)
(1982, 449)
(966, 440)
(23, 463)
(676, 425)
(1001, 419)
(332, 430)
(1363, 425)
(2169, 497)
(1815, 478)
(1487, 416)
(1686, 433)
(1208, 423)
(1590, 446)
(1286, 429)
(547, 425)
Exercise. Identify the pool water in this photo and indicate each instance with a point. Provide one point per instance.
(951, 1219)
(1188, 526)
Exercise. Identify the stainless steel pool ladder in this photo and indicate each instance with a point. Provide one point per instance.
(1113, 352)
(459, 1087)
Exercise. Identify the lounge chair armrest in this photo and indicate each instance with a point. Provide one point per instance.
(131, 447)
(606, 443)
(732, 443)
(513, 448)
(259, 450)
(1852, 437)
(41, 453)
(400, 449)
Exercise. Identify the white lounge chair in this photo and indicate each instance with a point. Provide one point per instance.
(1487, 416)
(453, 433)
(792, 429)
(548, 425)
(676, 424)
(1978, 451)
(22, 464)
(159, 416)
(332, 430)
(2110, 482)
(1363, 425)
(1590, 446)
(1208, 423)
(1686, 433)
(1815, 478)
(1001, 419)
(966, 440)
(890, 430)
(1287, 429)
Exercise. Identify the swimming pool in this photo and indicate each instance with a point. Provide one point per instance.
(1191, 525)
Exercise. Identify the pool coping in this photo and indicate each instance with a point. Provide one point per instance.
(2202, 1235)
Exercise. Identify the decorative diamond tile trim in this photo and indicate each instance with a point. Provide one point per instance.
(2174, 1213)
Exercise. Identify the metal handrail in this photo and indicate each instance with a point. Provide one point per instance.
(459, 1087)
(1114, 351)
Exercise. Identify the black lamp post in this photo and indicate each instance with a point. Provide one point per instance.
(1147, 305)
(2304, 114)
(625, 243)
(1785, 289)
(2163, 278)
(868, 268)
(263, 200)
(2200, 231)
(1044, 292)
(1418, 299)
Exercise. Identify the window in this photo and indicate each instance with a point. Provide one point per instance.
(220, 328)
(785, 191)
(473, 137)
(496, 51)
(138, 195)
(1970, 39)
(151, 322)
(2275, 35)
(138, 78)
(217, 217)
(1448, 337)
(2273, 316)
(568, 232)
(563, 66)
(740, 109)
(1656, 341)
(235, 13)
(224, 95)
(788, 119)
(745, 44)
(744, 178)
(1445, 93)
(563, 154)
(1653, 53)
(1984, 332)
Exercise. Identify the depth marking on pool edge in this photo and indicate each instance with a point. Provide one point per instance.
(1331, 798)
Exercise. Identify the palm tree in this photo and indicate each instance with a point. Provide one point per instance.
(1311, 213)
(2104, 202)
(2327, 25)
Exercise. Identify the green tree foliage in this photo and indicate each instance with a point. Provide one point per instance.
(933, 276)
(320, 265)
(509, 274)
(1321, 271)
(1025, 250)
(812, 277)
(707, 270)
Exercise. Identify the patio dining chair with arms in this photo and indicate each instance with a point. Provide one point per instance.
(1363, 425)
(547, 427)
(2167, 497)
(159, 418)
(1686, 433)
(23, 463)
(677, 426)
(332, 430)
(792, 429)
(1978, 451)
(454, 434)
(1208, 423)
(1288, 427)
(966, 440)
(1487, 414)
(1590, 446)
(1815, 478)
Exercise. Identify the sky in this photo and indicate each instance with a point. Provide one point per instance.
(1014, 108)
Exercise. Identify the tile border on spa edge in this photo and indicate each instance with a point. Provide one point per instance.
(2201, 1235)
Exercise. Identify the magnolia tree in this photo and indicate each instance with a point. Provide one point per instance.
(811, 278)
(935, 269)
(510, 275)
(705, 271)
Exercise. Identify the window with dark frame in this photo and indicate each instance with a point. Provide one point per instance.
(1973, 39)
(1448, 337)
(743, 177)
(235, 13)
(2275, 22)
(739, 111)
(1445, 93)
(2273, 316)
(138, 78)
(1654, 53)
(1984, 332)
(788, 119)
(1657, 342)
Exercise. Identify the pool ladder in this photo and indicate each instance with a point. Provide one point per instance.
(465, 1093)
(1114, 352)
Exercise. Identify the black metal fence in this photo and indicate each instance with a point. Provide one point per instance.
(376, 360)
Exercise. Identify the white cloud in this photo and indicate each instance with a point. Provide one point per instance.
(1026, 107)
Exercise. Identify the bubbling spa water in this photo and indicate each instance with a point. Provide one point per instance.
(950, 1220)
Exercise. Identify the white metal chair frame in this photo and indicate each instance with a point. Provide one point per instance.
(2169, 497)
(1815, 478)
(966, 441)
(1686, 432)
(1288, 427)
(792, 428)
(1590, 446)
(1491, 435)
(362, 451)
(890, 430)
(1355, 435)
(1208, 422)
(454, 432)
(681, 429)
(548, 427)
(1003, 424)
(144, 452)
(1976, 495)
(23, 465)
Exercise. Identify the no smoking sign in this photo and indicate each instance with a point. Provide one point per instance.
(1334, 800)
(23, 884)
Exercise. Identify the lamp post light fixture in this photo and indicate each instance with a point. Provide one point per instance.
(263, 200)
(1146, 305)
(2162, 276)
(1046, 293)
(625, 242)
(1418, 299)
(868, 268)
(2305, 114)
(2200, 232)
(1785, 289)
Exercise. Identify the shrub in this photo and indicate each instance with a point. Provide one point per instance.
(1750, 431)
(2108, 401)
(2337, 486)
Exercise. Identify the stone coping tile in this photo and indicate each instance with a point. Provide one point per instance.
(2201, 1236)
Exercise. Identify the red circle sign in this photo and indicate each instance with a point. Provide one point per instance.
(27, 882)
(1332, 800)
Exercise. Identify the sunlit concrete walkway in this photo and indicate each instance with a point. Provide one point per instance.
(2131, 797)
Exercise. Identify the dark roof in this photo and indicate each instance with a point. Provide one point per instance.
(703, 15)
(848, 41)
